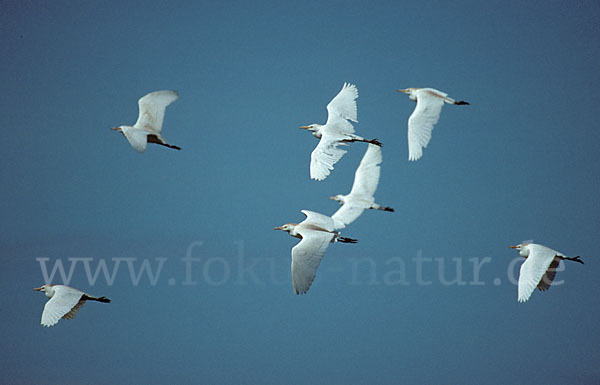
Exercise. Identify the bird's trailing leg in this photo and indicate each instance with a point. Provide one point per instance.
(101, 299)
(346, 240)
(374, 141)
(359, 139)
(383, 208)
(171, 146)
(576, 259)
(457, 102)
(154, 139)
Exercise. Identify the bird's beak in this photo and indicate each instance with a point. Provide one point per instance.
(332, 198)
(278, 228)
(304, 127)
(116, 128)
(514, 247)
(37, 289)
(405, 91)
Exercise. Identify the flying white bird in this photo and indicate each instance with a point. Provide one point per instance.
(361, 196)
(64, 302)
(150, 120)
(539, 269)
(337, 131)
(317, 231)
(424, 117)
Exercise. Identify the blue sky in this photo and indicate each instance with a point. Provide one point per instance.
(520, 163)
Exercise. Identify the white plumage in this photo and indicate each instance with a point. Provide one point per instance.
(336, 132)
(424, 117)
(64, 302)
(539, 268)
(361, 197)
(317, 231)
(148, 127)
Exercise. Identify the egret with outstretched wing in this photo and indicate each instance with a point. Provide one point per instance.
(317, 231)
(424, 117)
(539, 268)
(64, 302)
(148, 127)
(336, 132)
(361, 197)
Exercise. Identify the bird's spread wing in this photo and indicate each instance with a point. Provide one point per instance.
(547, 279)
(306, 257)
(421, 122)
(367, 174)
(152, 109)
(366, 179)
(343, 108)
(325, 155)
(71, 314)
(347, 214)
(62, 303)
(317, 219)
(136, 137)
(533, 269)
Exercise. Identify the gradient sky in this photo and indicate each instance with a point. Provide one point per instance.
(521, 163)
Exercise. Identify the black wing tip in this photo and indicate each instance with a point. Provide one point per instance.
(462, 103)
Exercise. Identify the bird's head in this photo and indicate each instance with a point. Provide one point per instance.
(339, 198)
(287, 227)
(48, 289)
(312, 127)
(523, 249)
(411, 92)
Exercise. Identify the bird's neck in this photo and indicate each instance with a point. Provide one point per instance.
(293, 232)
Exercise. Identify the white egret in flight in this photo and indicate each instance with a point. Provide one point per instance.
(148, 127)
(424, 117)
(317, 231)
(539, 268)
(64, 302)
(337, 131)
(361, 196)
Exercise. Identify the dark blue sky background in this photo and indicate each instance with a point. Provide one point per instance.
(520, 163)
